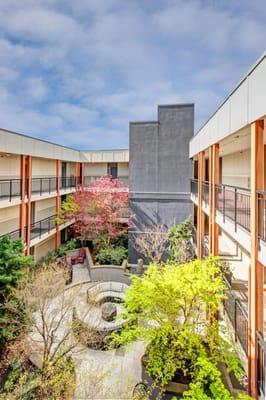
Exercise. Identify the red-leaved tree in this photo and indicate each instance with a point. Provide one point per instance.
(99, 208)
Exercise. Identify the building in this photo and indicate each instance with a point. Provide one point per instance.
(160, 170)
(35, 176)
(228, 193)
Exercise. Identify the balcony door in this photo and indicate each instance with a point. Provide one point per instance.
(112, 170)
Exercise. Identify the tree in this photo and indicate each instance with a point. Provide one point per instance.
(48, 337)
(99, 209)
(152, 243)
(180, 242)
(13, 269)
(167, 308)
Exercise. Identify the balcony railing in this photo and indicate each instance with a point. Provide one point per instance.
(67, 182)
(261, 365)
(90, 178)
(238, 316)
(43, 185)
(10, 188)
(234, 203)
(16, 234)
(205, 192)
(262, 215)
(39, 228)
(194, 187)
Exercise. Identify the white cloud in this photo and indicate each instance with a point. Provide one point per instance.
(78, 71)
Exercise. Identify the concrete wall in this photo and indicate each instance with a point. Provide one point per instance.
(95, 169)
(98, 156)
(42, 167)
(42, 249)
(160, 170)
(45, 208)
(236, 169)
(9, 166)
(9, 219)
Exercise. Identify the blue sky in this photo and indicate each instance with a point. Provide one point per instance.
(77, 71)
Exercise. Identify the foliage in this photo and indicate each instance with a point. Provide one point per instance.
(72, 244)
(111, 255)
(13, 270)
(101, 208)
(13, 263)
(180, 246)
(152, 243)
(56, 382)
(167, 308)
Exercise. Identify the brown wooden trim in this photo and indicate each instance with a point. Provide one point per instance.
(22, 211)
(28, 217)
(201, 216)
(57, 174)
(215, 181)
(256, 281)
(210, 197)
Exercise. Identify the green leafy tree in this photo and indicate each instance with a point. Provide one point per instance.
(14, 267)
(180, 244)
(168, 308)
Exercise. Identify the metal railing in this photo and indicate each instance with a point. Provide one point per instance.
(37, 229)
(43, 185)
(205, 192)
(261, 365)
(67, 182)
(194, 187)
(90, 178)
(14, 235)
(237, 315)
(10, 188)
(234, 203)
(262, 215)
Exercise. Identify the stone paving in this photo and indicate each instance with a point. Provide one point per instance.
(101, 375)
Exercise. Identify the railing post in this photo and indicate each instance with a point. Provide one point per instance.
(49, 184)
(10, 190)
(40, 186)
(235, 208)
(223, 194)
(49, 225)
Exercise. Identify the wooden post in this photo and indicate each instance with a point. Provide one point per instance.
(210, 197)
(255, 318)
(201, 218)
(82, 173)
(22, 213)
(28, 220)
(215, 181)
(57, 239)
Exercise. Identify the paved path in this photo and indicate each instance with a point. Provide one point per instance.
(80, 273)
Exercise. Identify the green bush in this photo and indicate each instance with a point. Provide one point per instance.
(112, 255)
(72, 244)
(180, 245)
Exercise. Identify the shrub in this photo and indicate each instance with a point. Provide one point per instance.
(112, 255)
(180, 245)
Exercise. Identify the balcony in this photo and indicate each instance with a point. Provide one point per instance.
(235, 307)
(10, 189)
(90, 178)
(39, 228)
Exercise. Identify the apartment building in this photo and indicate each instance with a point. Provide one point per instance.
(36, 176)
(229, 197)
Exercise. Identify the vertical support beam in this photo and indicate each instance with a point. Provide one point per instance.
(210, 197)
(28, 220)
(22, 211)
(57, 239)
(77, 173)
(255, 318)
(201, 218)
(82, 173)
(215, 181)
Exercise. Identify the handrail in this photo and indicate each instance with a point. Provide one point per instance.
(45, 225)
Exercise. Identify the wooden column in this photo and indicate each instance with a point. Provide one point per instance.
(210, 197)
(57, 239)
(28, 218)
(255, 318)
(201, 226)
(215, 173)
(22, 211)
(82, 173)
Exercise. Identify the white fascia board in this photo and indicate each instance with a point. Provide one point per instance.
(244, 105)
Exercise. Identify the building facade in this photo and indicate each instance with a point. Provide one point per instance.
(228, 193)
(160, 171)
(36, 176)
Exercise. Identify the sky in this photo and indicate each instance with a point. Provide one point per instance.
(75, 72)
